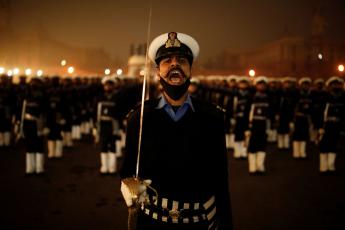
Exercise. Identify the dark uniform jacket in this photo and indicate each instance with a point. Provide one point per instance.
(186, 160)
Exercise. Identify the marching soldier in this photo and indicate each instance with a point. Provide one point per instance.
(7, 103)
(273, 92)
(301, 129)
(32, 122)
(286, 113)
(242, 102)
(230, 93)
(257, 122)
(318, 96)
(77, 109)
(55, 119)
(183, 150)
(67, 112)
(333, 123)
(108, 125)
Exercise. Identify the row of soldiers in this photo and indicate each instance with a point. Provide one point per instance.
(262, 110)
(50, 113)
(256, 111)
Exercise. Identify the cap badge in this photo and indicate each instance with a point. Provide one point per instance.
(172, 40)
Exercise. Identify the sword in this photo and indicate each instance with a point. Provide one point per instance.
(21, 131)
(98, 125)
(135, 182)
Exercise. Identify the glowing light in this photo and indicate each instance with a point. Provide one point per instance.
(341, 68)
(39, 73)
(320, 56)
(142, 72)
(28, 72)
(70, 70)
(119, 71)
(63, 62)
(107, 71)
(2, 70)
(252, 73)
(10, 73)
(16, 71)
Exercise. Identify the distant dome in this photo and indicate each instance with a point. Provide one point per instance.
(136, 60)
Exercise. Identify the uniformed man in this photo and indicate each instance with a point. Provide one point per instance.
(108, 125)
(333, 123)
(318, 97)
(7, 107)
(33, 112)
(183, 149)
(67, 112)
(230, 93)
(258, 117)
(302, 119)
(55, 120)
(242, 102)
(78, 108)
(273, 92)
(286, 112)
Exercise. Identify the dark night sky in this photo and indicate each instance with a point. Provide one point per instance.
(237, 25)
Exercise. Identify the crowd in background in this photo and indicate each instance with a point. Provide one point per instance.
(55, 111)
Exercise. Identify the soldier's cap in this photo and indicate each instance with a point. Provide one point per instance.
(334, 79)
(173, 43)
(232, 78)
(194, 81)
(319, 80)
(260, 79)
(304, 79)
(108, 79)
(288, 79)
(243, 79)
(273, 79)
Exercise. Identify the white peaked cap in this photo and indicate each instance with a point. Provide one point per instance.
(162, 39)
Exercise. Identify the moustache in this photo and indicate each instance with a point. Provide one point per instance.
(176, 72)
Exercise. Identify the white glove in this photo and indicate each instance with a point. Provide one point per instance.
(134, 191)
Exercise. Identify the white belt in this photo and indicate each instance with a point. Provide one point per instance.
(189, 212)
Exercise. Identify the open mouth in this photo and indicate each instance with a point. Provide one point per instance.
(176, 76)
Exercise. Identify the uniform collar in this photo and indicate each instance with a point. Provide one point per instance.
(163, 102)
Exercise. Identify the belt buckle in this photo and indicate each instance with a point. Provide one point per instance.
(175, 214)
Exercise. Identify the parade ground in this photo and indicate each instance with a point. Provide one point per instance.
(73, 195)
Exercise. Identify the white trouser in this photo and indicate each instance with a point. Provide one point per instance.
(323, 162)
(260, 161)
(299, 149)
(58, 148)
(104, 163)
(67, 139)
(30, 163)
(240, 149)
(252, 162)
(286, 142)
(51, 149)
(280, 141)
(76, 135)
(331, 161)
(5, 139)
(227, 140)
(118, 145)
(2, 142)
(39, 163)
(232, 140)
(112, 162)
